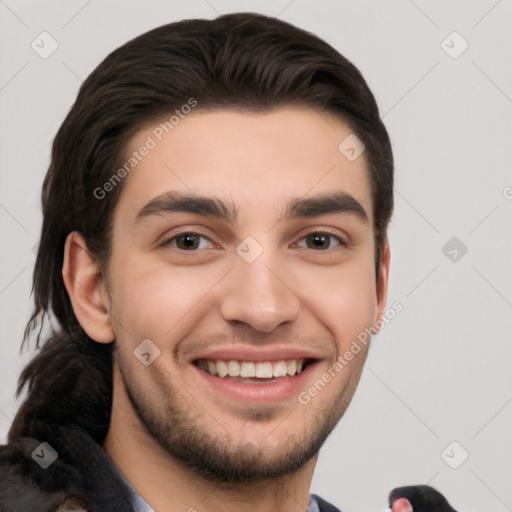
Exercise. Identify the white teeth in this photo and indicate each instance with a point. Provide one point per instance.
(222, 369)
(264, 370)
(247, 369)
(233, 368)
(251, 369)
(280, 369)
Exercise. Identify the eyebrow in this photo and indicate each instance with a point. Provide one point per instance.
(326, 204)
(189, 203)
(337, 202)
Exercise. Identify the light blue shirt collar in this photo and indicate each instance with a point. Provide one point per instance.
(140, 505)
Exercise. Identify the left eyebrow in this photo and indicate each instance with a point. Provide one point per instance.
(328, 204)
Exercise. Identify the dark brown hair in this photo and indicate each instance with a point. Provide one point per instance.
(236, 61)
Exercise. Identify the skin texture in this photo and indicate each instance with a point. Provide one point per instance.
(401, 505)
(181, 442)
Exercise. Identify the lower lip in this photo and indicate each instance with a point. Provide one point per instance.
(280, 389)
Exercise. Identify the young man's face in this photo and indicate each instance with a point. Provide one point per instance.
(267, 266)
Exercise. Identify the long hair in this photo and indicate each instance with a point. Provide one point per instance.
(238, 61)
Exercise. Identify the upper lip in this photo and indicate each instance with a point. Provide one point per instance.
(275, 353)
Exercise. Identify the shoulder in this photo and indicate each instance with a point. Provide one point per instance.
(67, 471)
(26, 484)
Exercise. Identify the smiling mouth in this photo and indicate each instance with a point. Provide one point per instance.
(253, 371)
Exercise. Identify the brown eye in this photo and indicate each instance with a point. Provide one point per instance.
(188, 242)
(321, 241)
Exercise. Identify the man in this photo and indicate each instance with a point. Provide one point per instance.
(213, 242)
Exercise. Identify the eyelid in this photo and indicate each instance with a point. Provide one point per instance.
(169, 238)
(323, 231)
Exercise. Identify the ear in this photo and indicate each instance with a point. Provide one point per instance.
(383, 282)
(86, 289)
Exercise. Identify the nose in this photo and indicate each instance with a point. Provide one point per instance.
(259, 295)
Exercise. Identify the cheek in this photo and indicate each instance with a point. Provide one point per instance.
(344, 301)
(152, 300)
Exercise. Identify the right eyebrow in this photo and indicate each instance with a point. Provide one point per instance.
(190, 203)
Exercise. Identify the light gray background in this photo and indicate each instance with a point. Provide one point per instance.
(440, 371)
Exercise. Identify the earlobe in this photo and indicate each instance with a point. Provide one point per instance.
(85, 287)
(383, 282)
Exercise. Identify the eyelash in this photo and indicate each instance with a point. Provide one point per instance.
(341, 241)
(169, 241)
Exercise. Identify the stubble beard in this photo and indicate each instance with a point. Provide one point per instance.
(188, 435)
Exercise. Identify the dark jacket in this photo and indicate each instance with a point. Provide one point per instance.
(83, 478)
(82, 470)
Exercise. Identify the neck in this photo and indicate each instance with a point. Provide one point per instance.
(166, 485)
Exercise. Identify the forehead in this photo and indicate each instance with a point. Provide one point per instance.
(253, 160)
